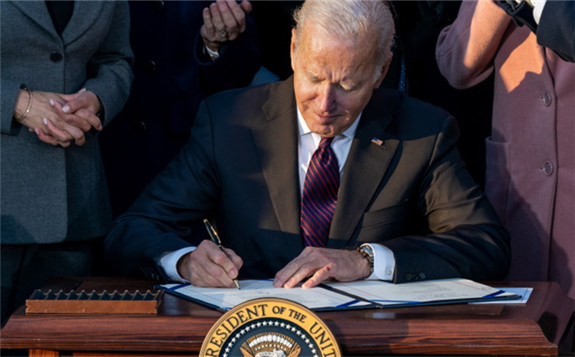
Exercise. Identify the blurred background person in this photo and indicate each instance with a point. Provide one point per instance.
(184, 51)
(274, 20)
(414, 70)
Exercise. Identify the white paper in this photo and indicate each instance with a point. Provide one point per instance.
(524, 294)
(315, 298)
(420, 292)
(338, 295)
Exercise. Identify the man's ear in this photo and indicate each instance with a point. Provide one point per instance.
(383, 73)
(292, 48)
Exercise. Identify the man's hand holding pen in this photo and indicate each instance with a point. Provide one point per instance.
(208, 265)
(212, 265)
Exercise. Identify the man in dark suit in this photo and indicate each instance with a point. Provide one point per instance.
(405, 210)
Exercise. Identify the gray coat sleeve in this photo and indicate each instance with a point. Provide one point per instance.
(111, 65)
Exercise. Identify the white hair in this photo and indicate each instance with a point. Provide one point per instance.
(350, 20)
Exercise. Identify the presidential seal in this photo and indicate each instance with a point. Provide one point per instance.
(270, 327)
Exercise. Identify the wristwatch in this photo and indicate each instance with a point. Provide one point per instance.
(366, 251)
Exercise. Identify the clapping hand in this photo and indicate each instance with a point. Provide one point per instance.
(224, 20)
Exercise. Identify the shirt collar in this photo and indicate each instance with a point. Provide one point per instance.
(304, 129)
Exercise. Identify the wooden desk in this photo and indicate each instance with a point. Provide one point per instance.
(535, 328)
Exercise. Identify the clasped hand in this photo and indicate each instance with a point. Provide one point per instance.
(208, 266)
(59, 119)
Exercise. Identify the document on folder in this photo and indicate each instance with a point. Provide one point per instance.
(332, 296)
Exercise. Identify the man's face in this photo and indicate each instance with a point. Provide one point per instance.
(333, 80)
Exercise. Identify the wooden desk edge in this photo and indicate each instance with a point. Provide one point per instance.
(355, 334)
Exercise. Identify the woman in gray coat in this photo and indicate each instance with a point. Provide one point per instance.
(65, 73)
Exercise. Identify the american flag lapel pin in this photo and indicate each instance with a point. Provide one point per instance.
(377, 141)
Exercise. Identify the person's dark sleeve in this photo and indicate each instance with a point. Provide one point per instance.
(556, 29)
(161, 220)
(110, 73)
(467, 239)
(238, 62)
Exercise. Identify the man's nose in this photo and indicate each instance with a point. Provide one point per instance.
(326, 98)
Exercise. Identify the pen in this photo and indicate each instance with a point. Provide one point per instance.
(216, 239)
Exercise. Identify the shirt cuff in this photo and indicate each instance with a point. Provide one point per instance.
(169, 262)
(383, 263)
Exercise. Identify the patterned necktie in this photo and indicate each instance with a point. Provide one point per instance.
(319, 195)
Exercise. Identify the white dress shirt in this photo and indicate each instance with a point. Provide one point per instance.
(383, 259)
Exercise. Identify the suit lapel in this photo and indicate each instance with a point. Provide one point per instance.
(37, 12)
(363, 172)
(277, 143)
(83, 18)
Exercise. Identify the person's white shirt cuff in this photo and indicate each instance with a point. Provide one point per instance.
(383, 263)
(169, 262)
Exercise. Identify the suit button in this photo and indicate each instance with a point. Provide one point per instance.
(547, 99)
(548, 168)
(56, 56)
(150, 66)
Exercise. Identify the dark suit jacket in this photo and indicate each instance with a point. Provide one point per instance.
(556, 29)
(410, 193)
